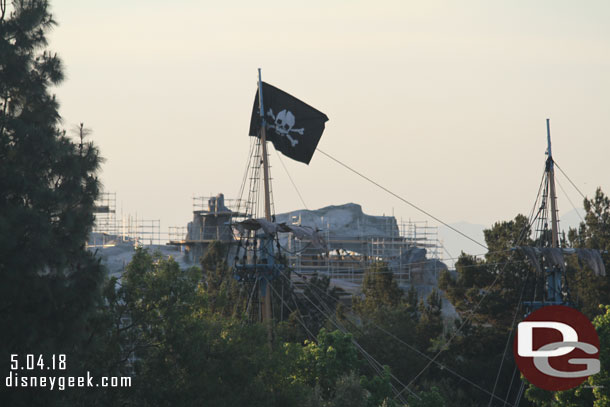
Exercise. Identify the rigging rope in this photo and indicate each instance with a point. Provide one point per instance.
(486, 292)
(402, 199)
(568, 178)
(378, 367)
(569, 200)
(512, 326)
(411, 347)
(291, 180)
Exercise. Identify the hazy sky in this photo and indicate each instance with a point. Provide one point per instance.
(444, 102)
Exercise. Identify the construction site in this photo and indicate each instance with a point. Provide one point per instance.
(352, 240)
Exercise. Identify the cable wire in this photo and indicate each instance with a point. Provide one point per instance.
(442, 366)
(569, 200)
(402, 199)
(486, 292)
(291, 180)
(568, 178)
(378, 367)
(510, 332)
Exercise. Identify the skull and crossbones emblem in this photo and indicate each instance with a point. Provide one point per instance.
(283, 125)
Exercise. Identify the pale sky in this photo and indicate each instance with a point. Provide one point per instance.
(443, 102)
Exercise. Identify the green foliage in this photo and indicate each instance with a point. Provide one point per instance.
(318, 301)
(431, 398)
(594, 232)
(226, 296)
(324, 362)
(50, 282)
(588, 290)
(430, 324)
(600, 383)
(349, 392)
(380, 291)
(490, 309)
(379, 389)
(179, 350)
(387, 310)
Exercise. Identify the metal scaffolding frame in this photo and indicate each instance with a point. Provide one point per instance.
(339, 262)
(108, 229)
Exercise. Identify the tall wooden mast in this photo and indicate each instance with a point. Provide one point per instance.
(265, 292)
(550, 172)
(549, 236)
(554, 288)
(264, 146)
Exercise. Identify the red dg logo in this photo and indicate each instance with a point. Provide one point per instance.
(556, 348)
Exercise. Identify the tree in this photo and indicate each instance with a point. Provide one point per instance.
(179, 350)
(380, 291)
(226, 295)
(430, 398)
(324, 362)
(486, 293)
(330, 367)
(317, 303)
(386, 314)
(50, 282)
(587, 289)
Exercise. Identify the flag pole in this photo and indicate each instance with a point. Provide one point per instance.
(265, 292)
(551, 177)
(264, 145)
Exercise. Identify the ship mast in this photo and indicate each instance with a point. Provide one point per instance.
(553, 274)
(548, 239)
(265, 292)
(264, 146)
(550, 176)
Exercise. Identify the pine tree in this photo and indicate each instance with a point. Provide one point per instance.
(48, 185)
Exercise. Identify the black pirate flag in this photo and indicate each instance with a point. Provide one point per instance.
(291, 125)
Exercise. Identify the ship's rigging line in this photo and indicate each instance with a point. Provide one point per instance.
(521, 237)
(538, 196)
(396, 338)
(510, 332)
(439, 364)
(433, 360)
(569, 200)
(251, 296)
(377, 367)
(518, 398)
(363, 269)
(370, 359)
(245, 178)
(522, 387)
(568, 178)
(402, 199)
(532, 217)
(487, 290)
(305, 205)
(541, 196)
(417, 263)
(510, 385)
(291, 180)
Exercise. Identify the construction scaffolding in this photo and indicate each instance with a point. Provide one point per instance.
(353, 240)
(212, 217)
(107, 229)
(208, 204)
(412, 252)
(105, 213)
